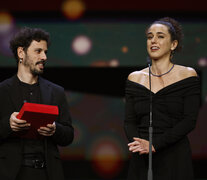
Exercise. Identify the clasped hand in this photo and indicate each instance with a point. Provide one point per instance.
(19, 125)
(140, 145)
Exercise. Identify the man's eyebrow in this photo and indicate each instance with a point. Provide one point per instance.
(38, 49)
(41, 49)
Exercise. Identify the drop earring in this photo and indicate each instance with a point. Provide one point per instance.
(20, 60)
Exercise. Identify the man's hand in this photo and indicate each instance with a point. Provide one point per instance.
(18, 124)
(140, 145)
(49, 130)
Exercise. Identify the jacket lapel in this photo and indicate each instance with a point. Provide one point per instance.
(45, 90)
(15, 93)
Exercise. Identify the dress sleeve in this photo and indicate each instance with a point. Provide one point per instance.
(130, 120)
(191, 104)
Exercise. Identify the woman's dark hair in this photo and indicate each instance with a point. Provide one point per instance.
(24, 38)
(174, 29)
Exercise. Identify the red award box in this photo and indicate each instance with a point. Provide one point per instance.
(38, 115)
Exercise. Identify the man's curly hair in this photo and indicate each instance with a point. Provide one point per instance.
(24, 38)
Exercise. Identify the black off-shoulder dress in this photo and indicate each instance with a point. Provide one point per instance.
(175, 109)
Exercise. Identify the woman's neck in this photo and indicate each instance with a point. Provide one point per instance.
(161, 66)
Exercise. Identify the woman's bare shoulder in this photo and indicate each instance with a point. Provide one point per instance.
(137, 75)
(186, 72)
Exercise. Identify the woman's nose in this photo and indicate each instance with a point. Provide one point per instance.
(154, 39)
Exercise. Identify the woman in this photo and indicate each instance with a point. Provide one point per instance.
(175, 92)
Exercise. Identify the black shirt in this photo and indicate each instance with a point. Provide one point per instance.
(31, 93)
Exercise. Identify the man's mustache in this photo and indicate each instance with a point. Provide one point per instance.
(41, 62)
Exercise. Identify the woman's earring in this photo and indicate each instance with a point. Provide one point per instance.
(171, 54)
(20, 60)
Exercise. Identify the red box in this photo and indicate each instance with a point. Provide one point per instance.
(38, 115)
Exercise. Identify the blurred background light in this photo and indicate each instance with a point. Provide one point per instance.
(81, 45)
(114, 63)
(105, 63)
(73, 9)
(100, 63)
(124, 49)
(106, 154)
(202, 62)
(7, 29)
(6, 22)
(197, 40)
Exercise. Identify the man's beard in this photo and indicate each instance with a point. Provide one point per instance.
(33, 70)
(36, 72)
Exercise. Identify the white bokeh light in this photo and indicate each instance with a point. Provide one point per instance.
(114, 63)
(202, 62)
(81, 45)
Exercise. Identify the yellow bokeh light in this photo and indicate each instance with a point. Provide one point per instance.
(6, 22)
(5, 18)
(73, 9)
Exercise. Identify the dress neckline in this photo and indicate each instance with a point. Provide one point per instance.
(166, 87)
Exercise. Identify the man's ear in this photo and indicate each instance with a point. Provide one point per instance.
(20, 52)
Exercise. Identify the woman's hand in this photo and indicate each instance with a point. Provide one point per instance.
(140, 145)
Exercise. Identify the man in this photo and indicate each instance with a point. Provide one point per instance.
(20, 158)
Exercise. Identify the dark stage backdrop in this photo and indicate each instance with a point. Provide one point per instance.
(105, 42)
(96, 99)
(91, 58)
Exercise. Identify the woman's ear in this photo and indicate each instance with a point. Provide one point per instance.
(174, 45)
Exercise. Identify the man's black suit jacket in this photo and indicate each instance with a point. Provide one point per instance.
(11, 145)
